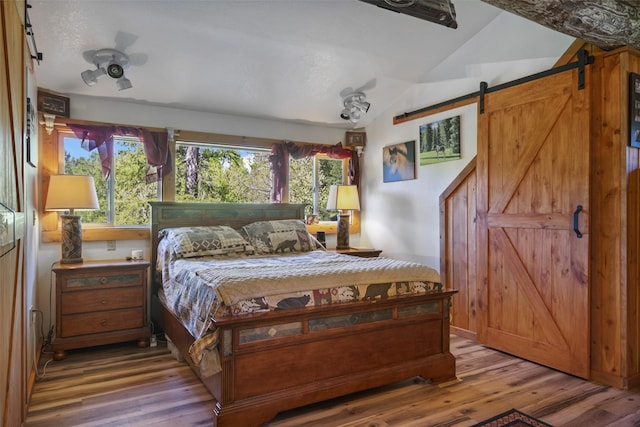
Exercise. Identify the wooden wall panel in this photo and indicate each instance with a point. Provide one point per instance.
(13, 370)
(614, 228)
(457, 249)
(631, 62)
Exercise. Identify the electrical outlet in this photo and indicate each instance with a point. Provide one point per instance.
(33, 313)
(111, 245)
(153, 342)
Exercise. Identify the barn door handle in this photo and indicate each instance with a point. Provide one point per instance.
(576, 228)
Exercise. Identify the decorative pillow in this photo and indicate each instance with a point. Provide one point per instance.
(188, 242)
(279, 236)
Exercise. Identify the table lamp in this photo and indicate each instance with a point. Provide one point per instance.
(343, 198)
(68, 193)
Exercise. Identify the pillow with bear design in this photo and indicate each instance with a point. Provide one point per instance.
(279, 236)
(218, 240)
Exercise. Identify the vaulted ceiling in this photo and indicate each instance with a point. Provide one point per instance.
(290, 60)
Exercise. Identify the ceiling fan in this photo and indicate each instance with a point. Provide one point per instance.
(355, 104)
(113, 62)
(109, 62)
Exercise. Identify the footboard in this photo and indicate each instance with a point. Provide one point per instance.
(285, 359)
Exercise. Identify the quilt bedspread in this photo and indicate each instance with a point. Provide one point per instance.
(196, 289)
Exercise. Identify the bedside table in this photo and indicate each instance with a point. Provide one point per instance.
(100, 302)
(361, 252)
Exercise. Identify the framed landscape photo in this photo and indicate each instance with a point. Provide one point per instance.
(399, 162)
(53, 104)
(440, 141)
(634, 110)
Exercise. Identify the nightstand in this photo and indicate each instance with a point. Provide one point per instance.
(100, 302)
(361, 252)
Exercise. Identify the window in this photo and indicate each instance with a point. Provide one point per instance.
(309, 182)
(227, 168)
(215, 173)
(124, 195)
(218, 173)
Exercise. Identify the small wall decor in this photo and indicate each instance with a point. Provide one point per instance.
(440, 141)
(634, 110)
(31, 134)
(53, 103)
(355, 139)
(399, 162)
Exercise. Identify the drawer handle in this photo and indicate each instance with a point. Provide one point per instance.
(104, 323)
(104, 301)
(103, 280)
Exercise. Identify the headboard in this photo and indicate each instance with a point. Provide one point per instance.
(235, 215)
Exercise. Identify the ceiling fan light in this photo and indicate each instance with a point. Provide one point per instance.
(354, 105)
(123, 83)
(90, 77)
(362, 106)
(355, 115)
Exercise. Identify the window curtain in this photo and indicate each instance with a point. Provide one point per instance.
(279, 159)
(156, 146)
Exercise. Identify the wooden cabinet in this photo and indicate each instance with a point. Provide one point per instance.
(361, 252)
(100, 302)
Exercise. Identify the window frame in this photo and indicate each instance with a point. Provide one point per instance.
(331, 227)
(50, 152)
(52, 160)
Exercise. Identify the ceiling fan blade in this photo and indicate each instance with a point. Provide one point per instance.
(88, 55)
(367, 86)
(346, 91)
(137, 59)
(124, 40)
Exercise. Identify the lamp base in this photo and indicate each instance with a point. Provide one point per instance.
(71, 239)
(343, 232)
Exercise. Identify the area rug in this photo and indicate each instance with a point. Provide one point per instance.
(512, 418)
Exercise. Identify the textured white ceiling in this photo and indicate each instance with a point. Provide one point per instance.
(279, 59)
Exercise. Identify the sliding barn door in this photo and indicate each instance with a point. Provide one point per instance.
(533, 192)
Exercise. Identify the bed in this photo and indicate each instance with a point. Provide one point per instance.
(272, 360)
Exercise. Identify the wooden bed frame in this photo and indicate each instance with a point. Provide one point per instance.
(264, 377)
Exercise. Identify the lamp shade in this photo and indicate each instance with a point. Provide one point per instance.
(70, 192)
(343, 197)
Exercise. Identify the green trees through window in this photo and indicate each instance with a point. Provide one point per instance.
(203, 172)
(124, 195)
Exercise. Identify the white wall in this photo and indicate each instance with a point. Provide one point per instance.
(402, 218)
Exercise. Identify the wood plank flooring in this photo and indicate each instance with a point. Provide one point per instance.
(122, 385)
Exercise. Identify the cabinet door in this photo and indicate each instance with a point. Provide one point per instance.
(533, 173)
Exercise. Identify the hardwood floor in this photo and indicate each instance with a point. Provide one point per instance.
(123, 385)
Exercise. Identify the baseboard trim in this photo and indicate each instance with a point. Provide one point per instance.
(470, 335)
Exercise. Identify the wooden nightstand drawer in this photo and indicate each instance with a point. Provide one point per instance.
(101, 279)
(100, 302)
(111, 299)
(103, 321)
